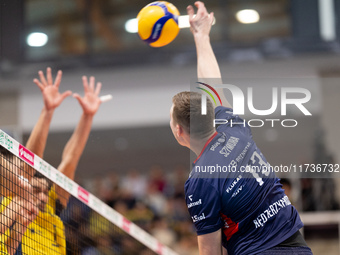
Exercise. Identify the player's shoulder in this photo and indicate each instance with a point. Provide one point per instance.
(224, 111)
(3, 249)
(227, 120)
(198, 185)
(4, 202)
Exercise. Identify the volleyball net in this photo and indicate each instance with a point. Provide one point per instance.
(34, 219)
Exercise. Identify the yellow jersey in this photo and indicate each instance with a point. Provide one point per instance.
(3, 238)
(46, 234)
(3, 249)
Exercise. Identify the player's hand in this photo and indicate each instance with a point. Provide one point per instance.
(23, 200)
(27, 209)
(202, 22)
(28, 213)
(25, 190)
(50, 91)
(91, 101)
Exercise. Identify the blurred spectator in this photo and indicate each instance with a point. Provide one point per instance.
(287, 186)
(308, 200)
(157, 178)
(134, 183)
(121, 207)
(176, 209)
(324, 189)
(163, 232)
(76, 218)
(187, 246)
(176, 181)
(114, 191)
(127, 197)
(155, 200)
(324, 192)
(103, 246)
(140, 215)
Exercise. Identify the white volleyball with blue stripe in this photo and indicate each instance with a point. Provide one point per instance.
(158, 23)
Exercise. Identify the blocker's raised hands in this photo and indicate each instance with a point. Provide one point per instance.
(91, 101)
(50, 90)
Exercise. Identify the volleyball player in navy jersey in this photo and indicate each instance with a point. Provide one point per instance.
(244, 211)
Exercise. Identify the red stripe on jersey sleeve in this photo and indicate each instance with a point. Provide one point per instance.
(230, 227)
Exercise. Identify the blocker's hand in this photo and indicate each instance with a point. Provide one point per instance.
(91, 101)
(27, 213)
(202, 22)
(50, 90)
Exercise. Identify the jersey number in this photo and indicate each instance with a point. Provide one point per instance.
(263, 167)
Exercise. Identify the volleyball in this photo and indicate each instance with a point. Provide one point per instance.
(158, 23)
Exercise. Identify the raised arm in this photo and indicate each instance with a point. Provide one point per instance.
(52, 99)
(207, 66)
(75, 146)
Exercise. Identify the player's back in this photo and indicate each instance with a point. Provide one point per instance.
(231, 187)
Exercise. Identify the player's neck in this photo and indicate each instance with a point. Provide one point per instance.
(197, 145)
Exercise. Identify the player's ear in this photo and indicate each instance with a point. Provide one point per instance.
(179, 130)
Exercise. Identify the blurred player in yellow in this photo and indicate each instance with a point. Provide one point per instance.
(10, 182)
(16, 215)
(45, 235)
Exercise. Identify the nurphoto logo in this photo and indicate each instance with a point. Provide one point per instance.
(280, 97)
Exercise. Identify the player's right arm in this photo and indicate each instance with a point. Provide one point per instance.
(207, 66)
(27, 213)
(12, 211)
(75, 146)
(52, 99)
(8, 216)
(204, 208)
(210, 243)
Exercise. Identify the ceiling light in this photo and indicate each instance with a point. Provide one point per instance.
(131, 26)
(183, 21)
(37, 39)
(248, 16)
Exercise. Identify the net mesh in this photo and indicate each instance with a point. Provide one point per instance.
(34, 219)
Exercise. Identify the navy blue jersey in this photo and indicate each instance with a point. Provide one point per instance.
(231, 188)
